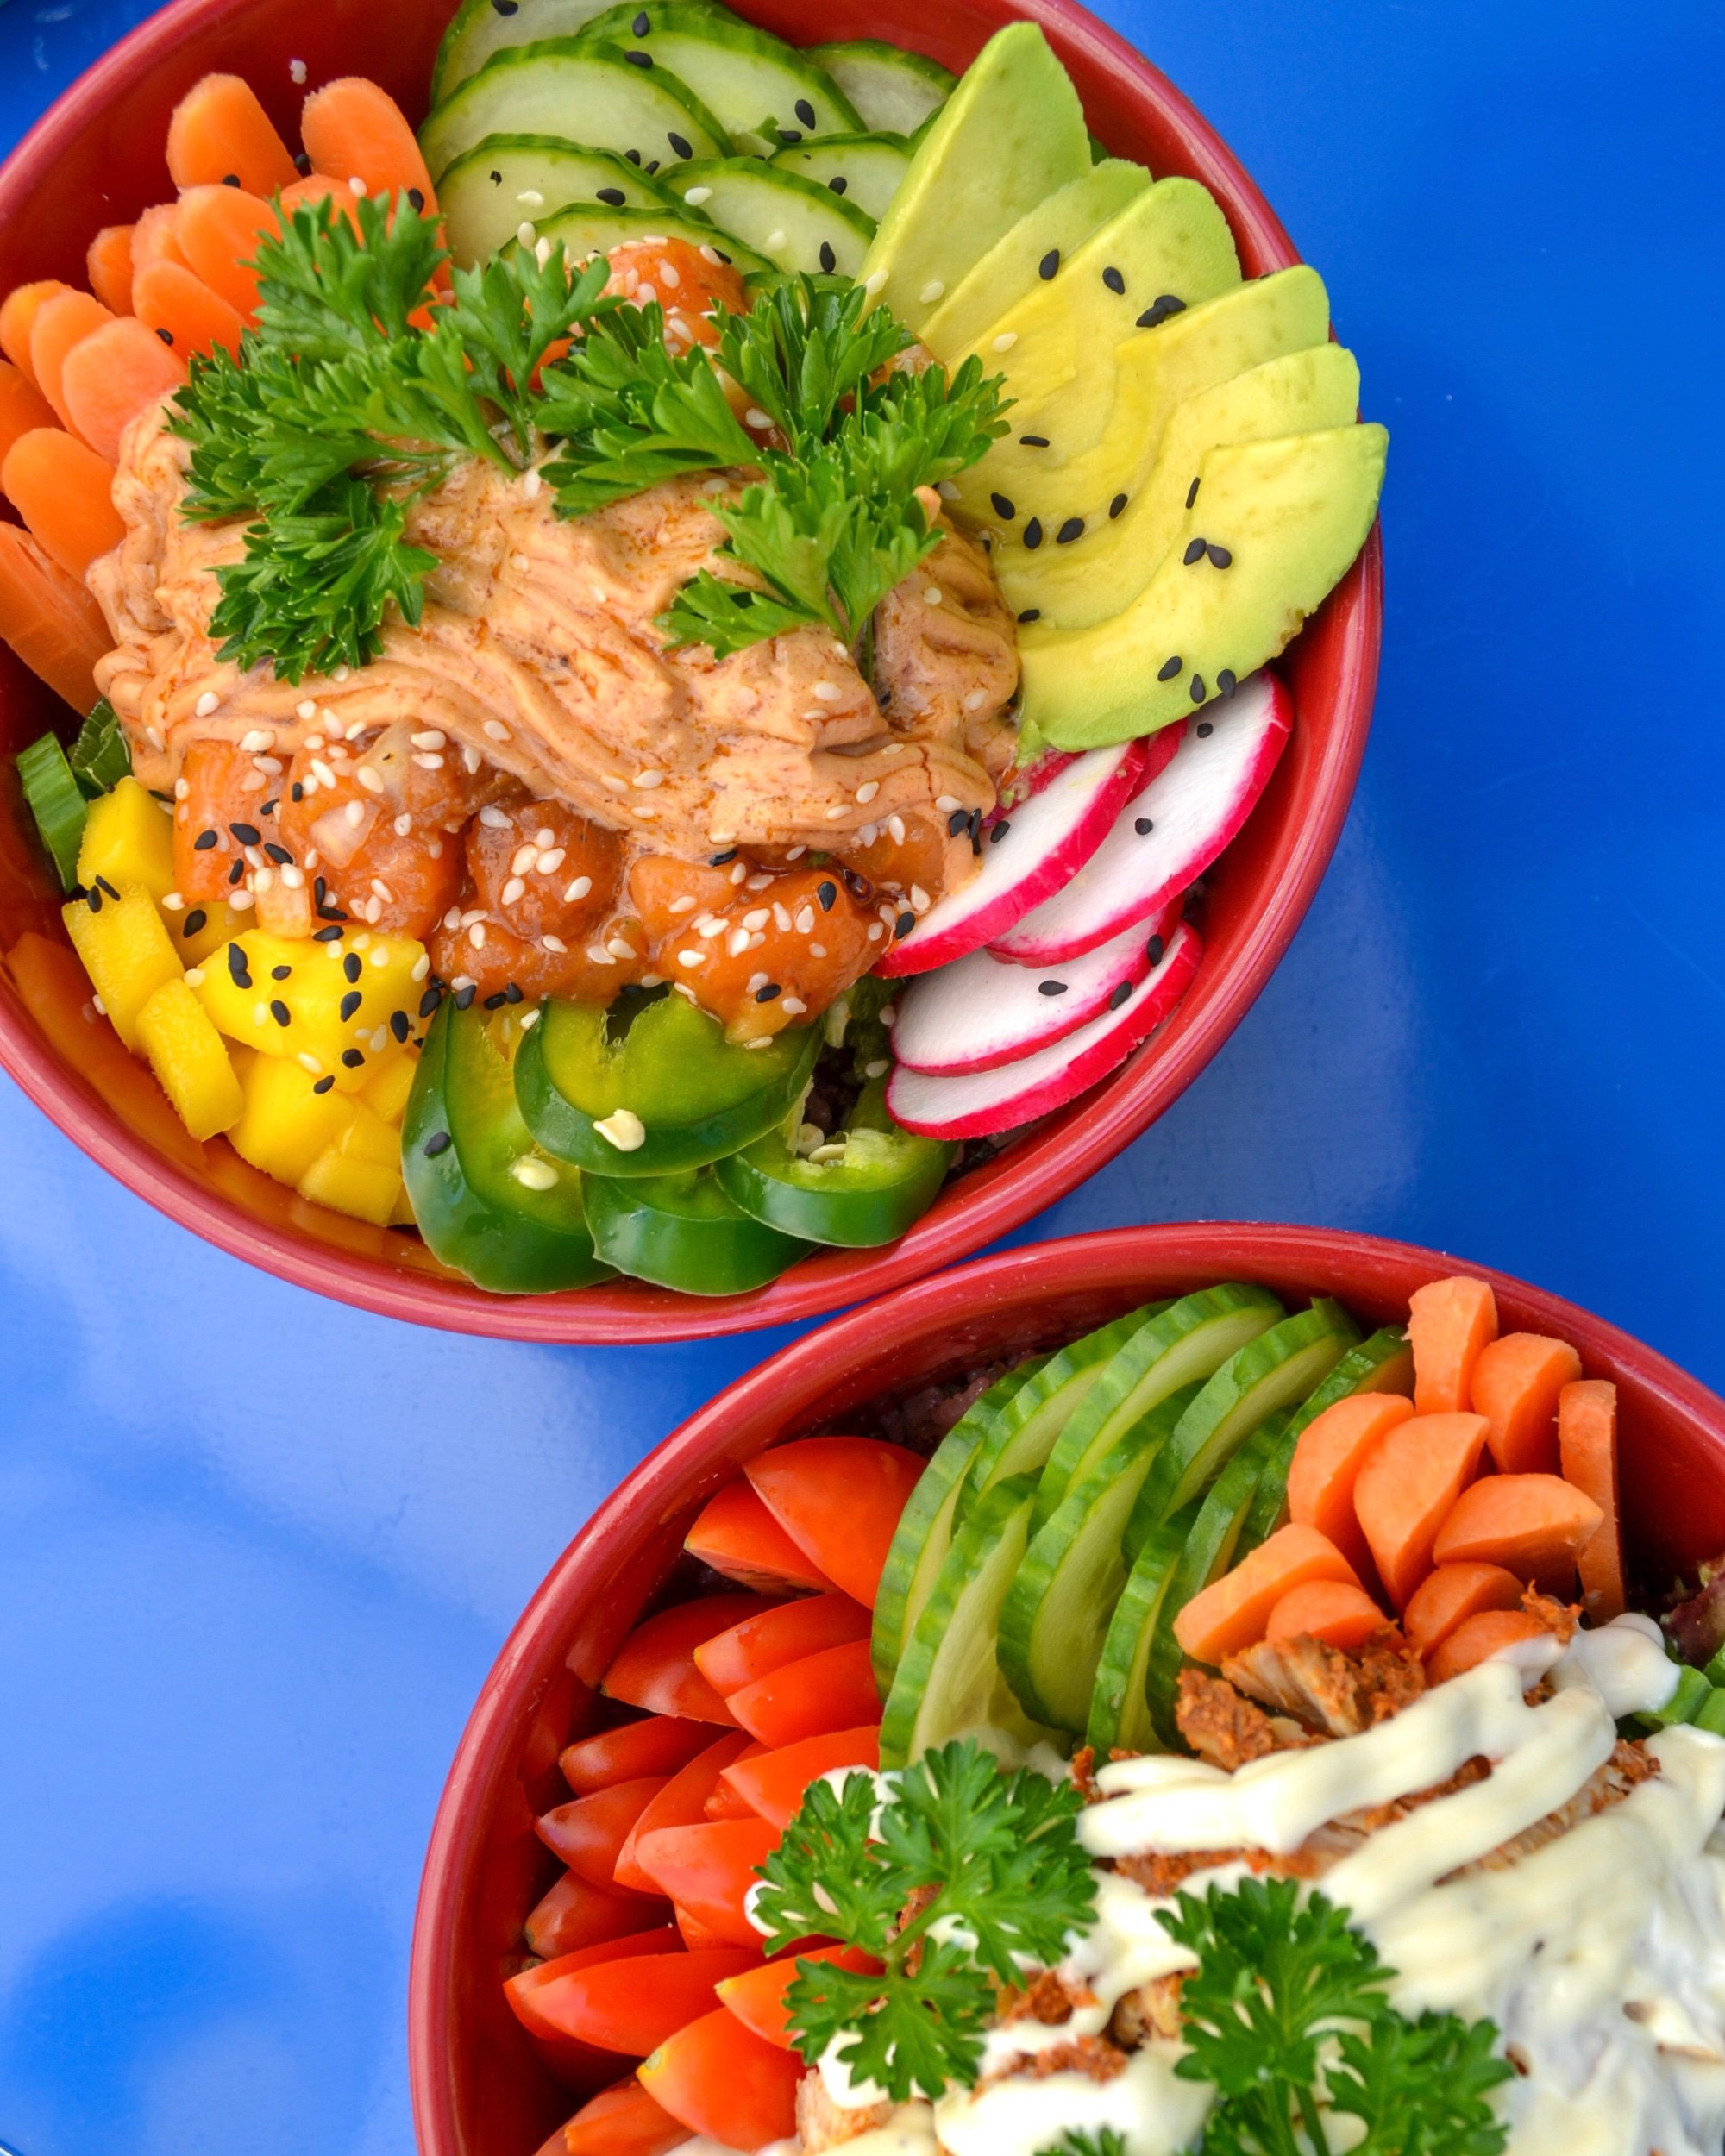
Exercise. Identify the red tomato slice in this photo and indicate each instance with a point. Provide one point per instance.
(576, 1913)
(834, 1690)
(634, 2004)
(736, 1535)
(839, 1499)
(695, 1935)
(722, 2080)
(773, 1784)
(724, 1802)
(658, 1744)
(567, 2056)
(761, 1644)
(589, 1834)
(620, 2121)
(708, 1870)
(681, 1802)
(654, 1666)
(757, 1997)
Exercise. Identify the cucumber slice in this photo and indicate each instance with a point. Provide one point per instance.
(509, 180)
(949, 1682)
(1273, 1371)
(1024, 1434)
(1119, 1713)
(924, 1534)
(1191, 1339)
(894, 90)
(795, 223)
(594, 228)
(756, 84)
(1384, 1363)
(99, 757)
(1056, 1614)
(867, 169)
(1268, 1508)
(586, 91)
(480, 29)
(57, 803)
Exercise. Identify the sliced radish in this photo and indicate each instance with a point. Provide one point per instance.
(1026, 857)
(978, 1014)
(1165, 838)
(981, 1103)
(1158, 754)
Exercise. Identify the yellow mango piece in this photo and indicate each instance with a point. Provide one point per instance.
(402, 1214)
(128, 839)
(366, 1189)
(197, 932)
(125, 951)
(189, 1059)
(330, 1003)
(388, 1082)
(285, 1122)
(367, 1136)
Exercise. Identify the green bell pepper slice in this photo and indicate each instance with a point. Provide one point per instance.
(883, 1182)
(682, 1231)
(673, 1092)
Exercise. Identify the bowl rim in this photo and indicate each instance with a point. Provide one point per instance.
(1057, 1155)
(798, 1375)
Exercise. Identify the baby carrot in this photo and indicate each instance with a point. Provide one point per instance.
(49, 619)
(154, 238)
(219, 229)
(18, 318)
(22, 405)
(1449, 1321)
(109, 265)
(220, 135)
(62, 322)
(354, 130)
(64, 494)
(111, 378)
(185, 313)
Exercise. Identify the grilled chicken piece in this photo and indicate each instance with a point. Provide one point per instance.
(821, 2123)
(1325, 1690)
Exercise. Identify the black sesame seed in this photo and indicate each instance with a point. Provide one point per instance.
(769, 993)
(1194, 552)
(397, 1019)
(638, 59)
(829, 260)
(1220, 556)
(279, 855)
(790, 136)
(505, 7)
(280, 1012)
(247, 834)
(1191, 493)
(348, 1004)
(302, 164)
(495, 1002)
(1168, 669)
(717, 861)
(296, 791)
(236, 871)
(497, 179)
(838, 182)
(428, 1002)
(1226, 681)
(805, 111)
(166, 335)
(1143, 826)
(614, 195)
(1071, 530)
(417, 197)
(205, 841)
(998, 831)
(1114, 280)
(511, 994)
(1050, 265)
(1119, 994)
(904, 925)
(1153, 951)
(93, 900)
(719, 251)
(464, 996)
(1205, 728)
(1170, 304)
(641, 25)
(320, 890)
(280, 972)
(1032, 442)
(828, 895)
(352, 1058)
(322, 1085)
(1032, 534)
(1115, 507)
(269, 808)
(330, 913)
(195, 922)
(1198, 689)
(1030, 613)
(959, 820)
(350, 965)
(437, 1143)
(327, 936)
(108, 889)
(681, 147)
(1050, 987)
(634, 156)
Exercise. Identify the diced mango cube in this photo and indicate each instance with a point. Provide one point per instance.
(388, 1083)
(287, 1123)
(365, 1188)
(189, 1059)
(125, 951)
(367, 1136)
(196, 931)
(340, 1004)
(128, 839)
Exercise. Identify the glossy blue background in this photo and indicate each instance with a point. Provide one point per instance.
(260, 1550)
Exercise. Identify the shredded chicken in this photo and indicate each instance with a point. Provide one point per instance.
(1093, 2056)
(821, 2123)
(1325, 1690)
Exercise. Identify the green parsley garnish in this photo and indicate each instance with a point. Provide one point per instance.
(993, 1861)
(1107, 2140)
(1286, 2013)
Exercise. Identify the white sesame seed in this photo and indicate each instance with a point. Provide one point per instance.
(530, 484)
(296, 70)
(530, 198)
(670, 275)
(207, 704)
(794, 1007)
(523, 859)
(180, 789)
(613, 784)
(514, 889)
(618, 948)
(932, 292)
(920, 901)
(692, 958)
(526, 233)
(356, 184)
(932, 597)
(373, 780)
(867, 790)
(875, 284)
(758, 918)
(420, 967)
(533, 1172)
(494, 819)
(976, 699)
(452, 920)
(377, 956)
(896, 826)
(867, 834)
(756, 418)
(836, 814)
(738, 944)
(876, 932)
(579, 889)
(476, 934)
(625, 1130)
(527, 1020)
(470, 758)
(696, 196)
(649, 779)
(355, 813)
(310, 1062)
(740, 870)
(433, 737)
(599, 954)
(947, 491)
(260, 737)
(775, 239)
(428, 760)
(554, 943)
(947, 802)
(496, 729)
(551, 862)
(805, 920)
(293, 879)
(828, 692)
(240, 900)
(172, 901)
(322, 772)
(305, 709)
(270, 765)
(401, 825)
(796, 852)
(833, 1150)
(194, 976)
(343, 673)
(263, 879)
(1006, 341)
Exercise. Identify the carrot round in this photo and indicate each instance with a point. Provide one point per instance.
(50, 620)
(1587, 1445)
(183, 312)
(1479, 1637)
(1406, 1490)
(18, 320)
(1515, 1385)
(1449, 1321)
(64, 321)
(737, 1536)
(219, 133)
(109, 264)
(112, 376)
(1532, 1525)
(1332, 1449)
(1330, 1610)
(1450, 1596)
(22, 405)
(219, 229)
(64, 494)
(352, 130)
(1234, 1613)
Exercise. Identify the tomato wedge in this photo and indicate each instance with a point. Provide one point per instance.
(620, 2121)
(589, 1834)
(632, 2005)
(708, 1871)
(757, 1997)
(834, 1690)
(695, 1935)
(658, 1744)
(736, 1535)
(761, 1644)
(534, 1990)
(681, 1802)
(724, 1802)
(576, 1913)
(773, 1784)
(654, 1666)
(839, 1499)
(722, 2080)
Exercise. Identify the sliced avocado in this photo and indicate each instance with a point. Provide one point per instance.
(1074, 586)
(866, 170)
(1030, 254)
(1010, 134)
(896, 92)
(1281, 522)
(1119, 1712)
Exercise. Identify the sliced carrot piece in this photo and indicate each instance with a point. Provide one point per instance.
(64, 494)
(1587, 1445)
(774, 1783)
(155, 238)
(839, 1499)
(681, 1802)
(589, 1834)
(22, 405)
(575, 1913)
(1234, 1613)
(794, 1630)
(526, 1992)
(61, 322)
(1339, 1614)
(219, 132)
(1405, 1491)
(1477, 1638)
(722, 2080)
(1516, 1381)
(736, 1535)
(632, 2006)
(1532, 1525)
(1331, 1451)
(1449, 1321)
(49, 619)
(18, 320)
(709, 1869)
(121, 370)
(757, 1997)
(654, 1667)
(108, 263)
(352, 130)
(185, 313)
(659, 1744)
(315, 188)
(219, 231)
(620, 2121)
(832, 1690)
(1449, 1595)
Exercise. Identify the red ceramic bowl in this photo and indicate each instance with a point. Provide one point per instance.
(478, 2089)
(97, 158)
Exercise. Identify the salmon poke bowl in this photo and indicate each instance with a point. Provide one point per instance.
(1216, 1689)
(659, 674)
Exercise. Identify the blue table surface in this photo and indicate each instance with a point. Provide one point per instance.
(261, 1549)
